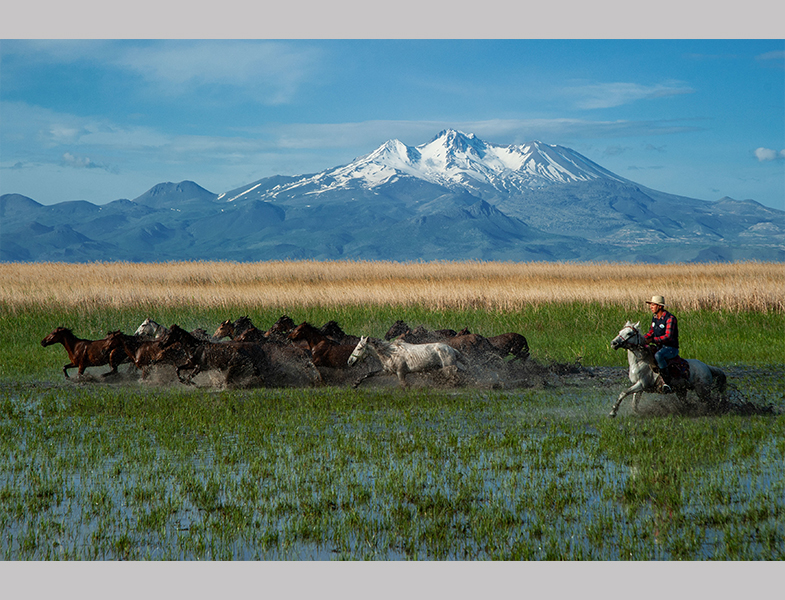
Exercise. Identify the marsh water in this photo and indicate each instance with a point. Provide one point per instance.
(95, 470)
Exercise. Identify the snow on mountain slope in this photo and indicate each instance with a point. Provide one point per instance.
(456, 159)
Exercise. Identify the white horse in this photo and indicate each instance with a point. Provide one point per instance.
(702, 376)
(399, 358)
(151, 330)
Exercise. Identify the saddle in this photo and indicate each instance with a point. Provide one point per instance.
(678, 368)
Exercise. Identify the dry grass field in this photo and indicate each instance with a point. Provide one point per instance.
(502, 286)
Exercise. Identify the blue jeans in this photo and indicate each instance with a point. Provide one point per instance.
(663, 355)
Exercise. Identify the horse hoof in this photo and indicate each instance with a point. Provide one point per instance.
(611, 415)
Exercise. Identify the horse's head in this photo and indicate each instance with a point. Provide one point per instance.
(225, 329)
(243, 324)
(630, 335)
(359, 351)
(284, 324)
(56, 337)
(305, 331)
(332, 329)
(150, 329)
(177, 334)
(398, 328)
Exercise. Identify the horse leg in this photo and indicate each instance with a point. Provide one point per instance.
(637, 388)
(366, 376)
(66, 367)
(189, 380)
(615, 408)
(402, 377)
(635, 397)
(112, 364)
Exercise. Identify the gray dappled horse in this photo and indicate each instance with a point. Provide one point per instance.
(643, 378)
(399, 358)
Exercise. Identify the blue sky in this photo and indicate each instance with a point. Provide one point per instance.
(99, 120)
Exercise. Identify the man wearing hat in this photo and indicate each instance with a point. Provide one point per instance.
(664, 332)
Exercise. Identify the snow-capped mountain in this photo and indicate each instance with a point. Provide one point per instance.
(455, 160)
(455, 197)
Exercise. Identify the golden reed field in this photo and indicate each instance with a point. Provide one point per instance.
(503, 286)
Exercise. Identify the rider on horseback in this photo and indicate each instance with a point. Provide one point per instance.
(664, 332)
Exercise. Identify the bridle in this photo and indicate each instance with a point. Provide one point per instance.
(624, 342)
(358, 351)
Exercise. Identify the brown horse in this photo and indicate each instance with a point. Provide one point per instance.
(324, 351)
(145, 353)
(237, 360)
(332, 330)
(281, 328)
(418, 335)
(291, 364)
(506, 344)
(87, 353)
(511, 343)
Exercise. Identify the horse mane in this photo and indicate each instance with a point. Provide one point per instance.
(333, 329)
(177, 333)
(243, 324)
(285, 321)
(398, 328)
(382, 347)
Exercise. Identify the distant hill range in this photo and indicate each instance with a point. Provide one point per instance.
(453, 198)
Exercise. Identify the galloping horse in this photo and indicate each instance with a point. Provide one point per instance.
(643, 378)
(506, 344)
(242, 330)
(237, 360)
(324, 351)
(290, 364)
(87, 353)
(150, 330)
(399, 358)
(332, 330)
(145, 353)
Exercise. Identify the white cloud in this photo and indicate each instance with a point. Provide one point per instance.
(766, 154)
(83, 162)
(776, 55)
(270, 71)
(608, 95)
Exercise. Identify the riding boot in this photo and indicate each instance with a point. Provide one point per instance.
(663, 382)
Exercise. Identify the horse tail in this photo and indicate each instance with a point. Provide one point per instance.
(720, 377)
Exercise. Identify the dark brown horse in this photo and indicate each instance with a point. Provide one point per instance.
(281, 328)
(511, 343)
(145, 353)
(332, 330)
(506, 344)
(241, 329)
(418, 335)
(290, 364)
(324, 351)
(87, 353)
(239, 361)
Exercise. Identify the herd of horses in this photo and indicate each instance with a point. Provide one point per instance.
(287, 354)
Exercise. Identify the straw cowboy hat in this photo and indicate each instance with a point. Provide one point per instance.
(657, 300)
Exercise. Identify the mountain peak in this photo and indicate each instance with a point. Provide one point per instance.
(455, 159)
(172, 194)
